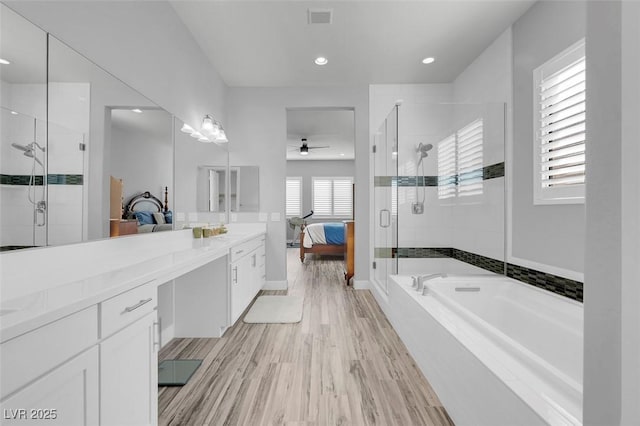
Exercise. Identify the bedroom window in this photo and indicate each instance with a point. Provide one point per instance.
(294, 197)
(333, 197)
(560, 128)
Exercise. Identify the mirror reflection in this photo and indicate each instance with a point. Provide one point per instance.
(67, 126)
(23, 143)
(244, 188)
(201, 178)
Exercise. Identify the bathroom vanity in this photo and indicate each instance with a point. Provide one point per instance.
(80, 333)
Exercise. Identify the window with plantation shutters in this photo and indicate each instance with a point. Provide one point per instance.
(470, 159)
(447, 168)
(294, 197)
(332, 197)
(560, 139)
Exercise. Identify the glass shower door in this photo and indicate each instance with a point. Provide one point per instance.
(385, 200)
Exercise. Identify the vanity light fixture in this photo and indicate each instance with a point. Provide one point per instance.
(428, 60)
(207, 124)
(210, 131)
(137, 110)
(187, 129)
(4, 61)
(321, 60)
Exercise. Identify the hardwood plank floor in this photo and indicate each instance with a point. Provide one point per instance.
(343, 364)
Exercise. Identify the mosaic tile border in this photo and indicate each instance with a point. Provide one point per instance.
(563, 286)
(488, 172)
(19, 180)
(52, 179)
(59, 179)
(554, 283)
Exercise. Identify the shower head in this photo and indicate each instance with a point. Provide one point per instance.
(24, 148)
(31, 154)
(422, 151)
(29, 147)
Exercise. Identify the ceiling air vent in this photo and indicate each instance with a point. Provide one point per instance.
(319, 16)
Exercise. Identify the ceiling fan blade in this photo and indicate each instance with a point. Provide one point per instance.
(319, 147)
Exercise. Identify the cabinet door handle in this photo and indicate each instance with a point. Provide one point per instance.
(253, 260)
(235, 275)
(240, 251)
(156, 335)
(137, 305)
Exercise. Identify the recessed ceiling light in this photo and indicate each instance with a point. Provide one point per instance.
(321, 60)
(428, 60)
(4, 62)
(14, 113)
(342, 154)
(137, 110)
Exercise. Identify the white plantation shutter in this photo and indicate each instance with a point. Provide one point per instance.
(342, 194)
(560, 108)
(332, 197)
(294, 197)
(470, 159)
(447, 167)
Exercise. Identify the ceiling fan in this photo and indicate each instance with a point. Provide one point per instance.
(304, 148)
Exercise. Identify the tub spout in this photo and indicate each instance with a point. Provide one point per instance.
(424, 278)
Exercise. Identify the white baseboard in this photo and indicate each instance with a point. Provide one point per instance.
(276, 285)
(361, 285)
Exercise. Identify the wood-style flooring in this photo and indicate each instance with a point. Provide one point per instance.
(343, 364)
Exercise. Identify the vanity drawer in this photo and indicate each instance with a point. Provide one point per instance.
(241, 250)
(32, 354)
(125, 308)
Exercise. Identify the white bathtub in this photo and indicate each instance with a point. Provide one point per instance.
(497, 351)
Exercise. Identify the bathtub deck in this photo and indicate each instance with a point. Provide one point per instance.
(342, 364)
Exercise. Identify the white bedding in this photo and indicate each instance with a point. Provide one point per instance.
(313, 234)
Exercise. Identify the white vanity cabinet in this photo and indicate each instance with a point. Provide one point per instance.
(129, 358)
(50, 375)
(247, 264)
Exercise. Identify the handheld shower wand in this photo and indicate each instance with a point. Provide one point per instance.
(423, 152)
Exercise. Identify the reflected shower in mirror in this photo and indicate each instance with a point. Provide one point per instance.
(23, 142)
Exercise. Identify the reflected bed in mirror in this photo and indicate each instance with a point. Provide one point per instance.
(151, 214)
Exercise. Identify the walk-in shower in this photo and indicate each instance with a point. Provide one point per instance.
(24, 172)
(439, 190)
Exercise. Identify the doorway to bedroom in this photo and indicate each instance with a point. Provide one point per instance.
(319, 185)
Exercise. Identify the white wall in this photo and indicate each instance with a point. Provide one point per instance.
(544, 237)
(307, 170)
(258, 131)
(612, 273)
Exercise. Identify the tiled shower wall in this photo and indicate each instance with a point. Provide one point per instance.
(65, 161)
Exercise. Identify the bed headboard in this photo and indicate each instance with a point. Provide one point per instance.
(147, 202)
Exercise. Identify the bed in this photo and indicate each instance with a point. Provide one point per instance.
(335, 238)
(152, 214)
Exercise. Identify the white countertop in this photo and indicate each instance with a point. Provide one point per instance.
(103, 271)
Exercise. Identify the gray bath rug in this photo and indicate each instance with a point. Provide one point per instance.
(275, 309)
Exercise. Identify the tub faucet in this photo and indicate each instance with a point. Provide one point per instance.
(424, 278)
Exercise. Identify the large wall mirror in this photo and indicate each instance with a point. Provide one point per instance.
(65, 136)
